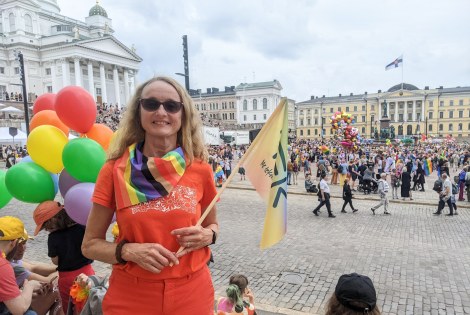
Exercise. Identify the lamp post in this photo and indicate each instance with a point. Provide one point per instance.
(19, 57)
(186, 63)
(321, 117)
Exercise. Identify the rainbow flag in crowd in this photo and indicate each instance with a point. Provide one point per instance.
(427, 166)
(266, 168)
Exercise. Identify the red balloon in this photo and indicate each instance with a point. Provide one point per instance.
(76, 108)
(45, 101)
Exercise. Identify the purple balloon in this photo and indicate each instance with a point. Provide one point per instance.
(77, 202)
(66, 182)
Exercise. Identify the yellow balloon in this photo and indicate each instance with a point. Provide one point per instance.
(45, 146)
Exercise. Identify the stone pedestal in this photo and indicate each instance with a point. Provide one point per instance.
(385, 128)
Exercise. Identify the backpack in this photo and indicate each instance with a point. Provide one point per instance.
(462, 176)
(455, 189)
(96, 296)
(340, 168)
(437, 185)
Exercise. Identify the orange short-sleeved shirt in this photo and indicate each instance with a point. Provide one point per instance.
(152, 222)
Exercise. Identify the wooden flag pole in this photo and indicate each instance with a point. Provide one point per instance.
(235, 169)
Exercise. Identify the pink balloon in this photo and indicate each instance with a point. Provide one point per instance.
(76, 108)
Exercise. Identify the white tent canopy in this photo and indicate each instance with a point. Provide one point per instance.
(11, 109)
(5, 137)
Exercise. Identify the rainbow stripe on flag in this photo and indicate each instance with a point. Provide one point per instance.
(427, 166)
(266, 168)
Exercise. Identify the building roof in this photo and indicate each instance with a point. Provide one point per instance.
(258, 85)
(98, 10)
(406, 86)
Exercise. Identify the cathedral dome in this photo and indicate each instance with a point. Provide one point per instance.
(98, 10)
(406, 86)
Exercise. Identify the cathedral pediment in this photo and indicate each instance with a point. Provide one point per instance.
(398, 94)
(109, 45)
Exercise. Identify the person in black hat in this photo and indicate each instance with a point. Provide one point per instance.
(354, 294)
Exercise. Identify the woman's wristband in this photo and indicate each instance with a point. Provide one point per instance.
(118, 252)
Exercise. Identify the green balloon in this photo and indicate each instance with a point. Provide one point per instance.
(5, 196)
(83, 159)
(29, 182)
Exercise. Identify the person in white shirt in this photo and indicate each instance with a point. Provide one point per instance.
(324, 197)
(446, 193)
(383, 190)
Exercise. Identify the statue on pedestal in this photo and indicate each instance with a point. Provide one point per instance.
(385, 109)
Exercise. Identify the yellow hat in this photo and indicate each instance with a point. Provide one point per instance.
(11, 228)
(115, 230)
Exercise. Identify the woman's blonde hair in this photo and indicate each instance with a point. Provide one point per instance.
(189, 137)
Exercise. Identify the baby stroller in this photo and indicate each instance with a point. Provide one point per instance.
(367, 185)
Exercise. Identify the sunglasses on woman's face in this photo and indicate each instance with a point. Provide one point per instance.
(152, 105)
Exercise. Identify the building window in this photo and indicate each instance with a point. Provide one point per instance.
(441, 115)
(309, 121)
(451, 114)
(109, 76)
(400, 117)
(265, 116)
(265, 103)
(430, 127)
(460, 127)
(460, 102)
(372, 118)
(451, 103)
(301, 122)
(430, 115)
(441, 127)
(48, 71)
(331, 109)
(430, 103)
(392, 117)
(11, 17)
(49, 89)
(316, 132)
(244, 117)
(245, 105)
(372, 107)
(363, 131)
(98, 91)
(28, 23)
(17, 70)
(363, 108)
(316, 121)
(316, 111)
(460, 113)
(451, 127)
(400, 130)
(409, 130)
(2, 70)
(308, 132)
(418, 116)
(441, 103)
(255, 105)
(355, 108)
(410, 116)
(347, 108)
(363, 118)
(301, 112)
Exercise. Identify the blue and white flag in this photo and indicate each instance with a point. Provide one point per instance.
(395, 64)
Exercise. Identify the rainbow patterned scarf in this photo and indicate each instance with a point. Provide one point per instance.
(138, 178)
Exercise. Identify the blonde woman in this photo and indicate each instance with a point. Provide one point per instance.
(158, 184)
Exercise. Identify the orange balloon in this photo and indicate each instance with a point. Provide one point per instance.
(48, 117)
(101, 134)
(43, 102)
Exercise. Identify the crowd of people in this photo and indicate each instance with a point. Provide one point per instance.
(109, 115)
(159, 183)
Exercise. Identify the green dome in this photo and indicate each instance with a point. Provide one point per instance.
(98, 10)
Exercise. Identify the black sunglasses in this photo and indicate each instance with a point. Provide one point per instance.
(151, 105)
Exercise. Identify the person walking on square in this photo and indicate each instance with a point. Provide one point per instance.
(383, 190)
(324, 197)
(446, 193)
(347, 196)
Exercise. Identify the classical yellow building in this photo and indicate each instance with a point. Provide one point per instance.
(436, 112)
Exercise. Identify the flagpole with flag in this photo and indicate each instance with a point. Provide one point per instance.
(265, 163)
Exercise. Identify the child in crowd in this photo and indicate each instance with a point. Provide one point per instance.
(234, 303)
(241, 171)
(354, 294)
(64, 245)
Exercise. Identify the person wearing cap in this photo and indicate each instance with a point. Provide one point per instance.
(354, 294)
(12, 300)
(63, 245)
(383, 191)
(159, 185)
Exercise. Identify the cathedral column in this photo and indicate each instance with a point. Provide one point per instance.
(65, 78)
(117, 96)
(396, 111)
(126, 85)
(422, 110)
(78, 73)
(53, 77)
(104, 95)
(414, 111)
(91, 83)
(133, 83)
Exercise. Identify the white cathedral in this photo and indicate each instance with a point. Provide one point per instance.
(60, 51)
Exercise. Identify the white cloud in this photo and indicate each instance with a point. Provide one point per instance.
(311, 47)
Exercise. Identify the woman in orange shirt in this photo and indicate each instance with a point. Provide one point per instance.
(158, 183)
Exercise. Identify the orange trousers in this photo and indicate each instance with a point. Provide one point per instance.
(192, 294)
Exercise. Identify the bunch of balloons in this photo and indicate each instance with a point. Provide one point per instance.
(324, 149)
(55, 163)
(346, 134)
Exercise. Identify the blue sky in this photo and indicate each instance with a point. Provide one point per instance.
(317, 47)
